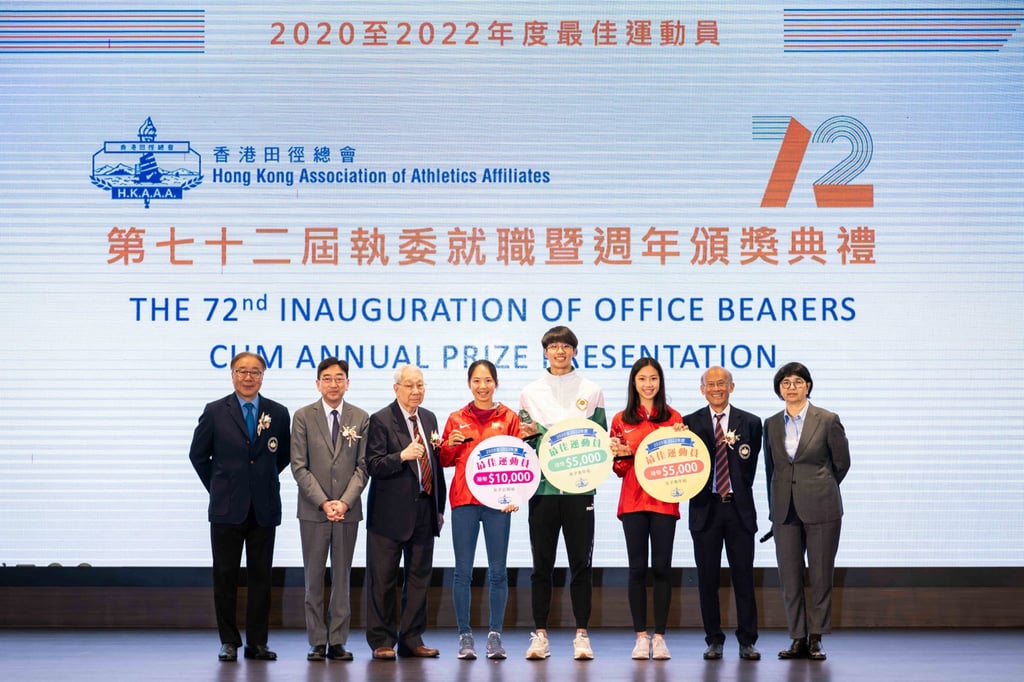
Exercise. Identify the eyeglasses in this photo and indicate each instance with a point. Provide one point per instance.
(717, 384)
(558, 347)
(333, 380)
(793, 383)
(254, 373)
(413, 387)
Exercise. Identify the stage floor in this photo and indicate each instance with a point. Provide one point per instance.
(873, 655)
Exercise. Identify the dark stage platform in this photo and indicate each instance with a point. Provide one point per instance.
(872, 655)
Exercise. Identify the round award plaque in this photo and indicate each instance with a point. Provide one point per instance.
(672, 466)
(502, 470)
(574, 455)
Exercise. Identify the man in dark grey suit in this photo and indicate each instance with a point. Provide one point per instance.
(806, 457)
(723, 513)
(239, 447)
(405, 512)
(329, 465)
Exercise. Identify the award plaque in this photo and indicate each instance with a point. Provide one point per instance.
(502, 470)
(672, 466)
(574, 455)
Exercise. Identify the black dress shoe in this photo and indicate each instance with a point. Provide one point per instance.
(815, 651)
(797, 649)
(317, 652)
(748, 652)
(713, 652)
(260, 652)
(228, 652)
(337, 652)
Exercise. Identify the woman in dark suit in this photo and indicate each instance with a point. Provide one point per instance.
(806, 458)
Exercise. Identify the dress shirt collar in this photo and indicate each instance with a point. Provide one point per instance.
(328, 409)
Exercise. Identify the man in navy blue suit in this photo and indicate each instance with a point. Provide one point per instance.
(723, 513)
(405, 512)
(241, 444)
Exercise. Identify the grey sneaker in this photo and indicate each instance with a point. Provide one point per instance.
(466, 650)
(495, 651)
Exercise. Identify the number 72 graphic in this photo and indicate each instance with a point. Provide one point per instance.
(831, 190)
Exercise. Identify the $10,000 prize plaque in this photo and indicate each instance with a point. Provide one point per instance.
(502, 470)
(574, 455)
(672, 466)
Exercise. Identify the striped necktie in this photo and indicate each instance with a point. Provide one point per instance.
(426, 478)
(722, 483)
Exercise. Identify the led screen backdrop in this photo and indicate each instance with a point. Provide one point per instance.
(736, 184)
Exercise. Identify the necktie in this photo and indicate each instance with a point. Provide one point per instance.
(722, 483)
(426, 480)
(250, 420)
(335, 426)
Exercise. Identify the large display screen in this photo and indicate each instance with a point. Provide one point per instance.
(739, 184)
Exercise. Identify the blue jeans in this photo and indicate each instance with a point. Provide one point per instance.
(466, 522)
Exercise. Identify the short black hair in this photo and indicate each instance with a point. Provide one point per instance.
(559, 334)
(791, 369)
(327, 363)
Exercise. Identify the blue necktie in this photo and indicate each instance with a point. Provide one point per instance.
(250, 420)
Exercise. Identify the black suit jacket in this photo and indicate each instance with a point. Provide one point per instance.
(237, 473)
(394, 484)
(742, 464)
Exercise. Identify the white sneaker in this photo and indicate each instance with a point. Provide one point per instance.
(642, 650)
(539, 647)
(660, 649)
(581, 650)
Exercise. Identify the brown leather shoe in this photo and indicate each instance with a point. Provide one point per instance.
(419, 652)
(384, 653)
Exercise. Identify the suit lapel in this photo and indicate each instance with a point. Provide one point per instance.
(235, 410)
(323, 426)
(811, 424)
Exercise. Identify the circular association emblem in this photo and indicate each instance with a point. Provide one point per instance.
(502, 470)
(574, 455)
(744, 451)
(671, 465)
(272, 444)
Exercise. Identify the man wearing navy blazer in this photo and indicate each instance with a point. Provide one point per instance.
(329, 466)
(239, 447)
(723, 513)
(405, 512)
